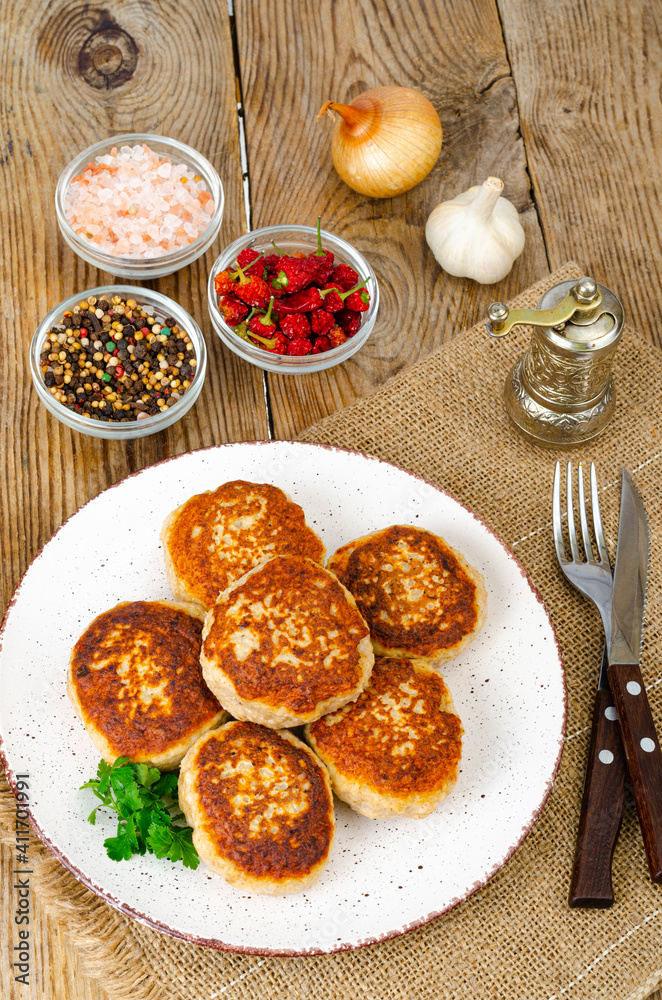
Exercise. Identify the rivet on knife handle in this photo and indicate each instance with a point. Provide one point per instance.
(602, 809)
(643, 756)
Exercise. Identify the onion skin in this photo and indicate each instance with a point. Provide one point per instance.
(385, 141)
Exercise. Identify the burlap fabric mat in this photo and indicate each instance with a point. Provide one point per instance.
(516, 939)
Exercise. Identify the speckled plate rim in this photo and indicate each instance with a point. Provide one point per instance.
(215, 943)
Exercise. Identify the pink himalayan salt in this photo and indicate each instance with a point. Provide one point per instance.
(132, 202)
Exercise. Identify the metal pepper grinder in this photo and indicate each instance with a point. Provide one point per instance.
(561, 392)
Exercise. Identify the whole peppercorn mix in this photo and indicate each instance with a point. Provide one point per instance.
(114, 360)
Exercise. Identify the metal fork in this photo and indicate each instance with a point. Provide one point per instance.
(592, 577)
(604, 784)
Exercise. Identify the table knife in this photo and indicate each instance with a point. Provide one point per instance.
(642, 748)
(602, 804)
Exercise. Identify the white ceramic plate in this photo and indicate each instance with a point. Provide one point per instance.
(383, 877)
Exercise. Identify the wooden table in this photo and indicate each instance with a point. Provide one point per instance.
(559, 99)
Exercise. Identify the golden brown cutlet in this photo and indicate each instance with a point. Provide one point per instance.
(136, 683)
(419, 596)
(216, 537)
(395, 751)
(261, 808)
(285, 644)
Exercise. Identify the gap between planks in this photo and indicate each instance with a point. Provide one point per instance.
(534, 200)
(246, 181)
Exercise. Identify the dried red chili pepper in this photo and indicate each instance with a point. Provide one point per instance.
(264, 343)
(264, 325)
(251, 289)
(294, 273)
(223, 283)
(271, 263)
(358, 301)
(301, 302)
(299, 346)
(321, 322)
(281, 344)
(337, 336)
(332, 302)
(349, 320)
(248, 259)
(321, 344)
(324, 258)
(295, 326)
(344, 276)
(324, 269)
(334, 299)
(232, 310)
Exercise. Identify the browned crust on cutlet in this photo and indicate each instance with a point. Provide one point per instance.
(288, 607)
(134, 646)
(200, 567)
(267, 835)
(372, 566)
(397, 748)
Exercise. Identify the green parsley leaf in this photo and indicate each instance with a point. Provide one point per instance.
(174, 842)
(124, 844)
(189, 855)
(148, 816)
(159, 839)
(131, 799)
(166, 785)
(143, 820)
(121, 778)
(146, 776)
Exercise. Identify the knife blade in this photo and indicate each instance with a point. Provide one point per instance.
(642, 747)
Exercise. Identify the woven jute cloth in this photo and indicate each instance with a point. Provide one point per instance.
(516, 939)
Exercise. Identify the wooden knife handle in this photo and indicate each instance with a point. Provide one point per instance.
(602, 809)
(644, 759)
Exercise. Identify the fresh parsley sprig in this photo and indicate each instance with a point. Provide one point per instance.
(148, 816)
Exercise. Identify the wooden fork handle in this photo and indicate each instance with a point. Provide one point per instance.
(602, 809)
(644, 758)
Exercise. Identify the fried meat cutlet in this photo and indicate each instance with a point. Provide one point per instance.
(285, 644)
(136, 683)
(418, 595)
(261, 808)
(217, 536)
(395, 751)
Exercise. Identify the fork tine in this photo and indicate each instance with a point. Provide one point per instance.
(572, 532)
(556, 517)
(586, 536)
(597, 519)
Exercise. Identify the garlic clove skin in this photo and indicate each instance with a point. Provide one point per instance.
(476, 235)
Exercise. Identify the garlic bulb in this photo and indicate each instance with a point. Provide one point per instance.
(476, 235)
(385, 141)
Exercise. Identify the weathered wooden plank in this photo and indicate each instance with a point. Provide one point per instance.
(454, 53)
(183, 86)
(593, 133)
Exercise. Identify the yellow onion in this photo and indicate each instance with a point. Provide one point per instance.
(385, 141)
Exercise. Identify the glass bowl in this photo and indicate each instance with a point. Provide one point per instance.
(293, 239)
(160, 307)
(137, 267)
